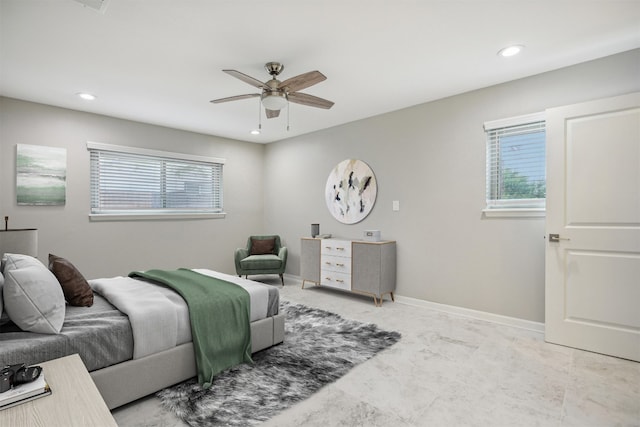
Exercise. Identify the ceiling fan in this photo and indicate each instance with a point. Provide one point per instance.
(275, 94)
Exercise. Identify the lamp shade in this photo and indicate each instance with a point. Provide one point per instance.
(22, 241)
(274, 101)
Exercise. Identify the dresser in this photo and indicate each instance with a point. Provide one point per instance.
(351, 265)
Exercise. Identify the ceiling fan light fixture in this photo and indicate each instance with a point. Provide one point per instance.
(255, 132)
(274, 101)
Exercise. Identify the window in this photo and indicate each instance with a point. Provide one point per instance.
(516, 173)
(127, 181)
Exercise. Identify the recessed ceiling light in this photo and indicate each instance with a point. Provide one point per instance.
(86, 96)
(511, 50)
(255, 132)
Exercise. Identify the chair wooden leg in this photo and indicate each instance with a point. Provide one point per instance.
(282, 278)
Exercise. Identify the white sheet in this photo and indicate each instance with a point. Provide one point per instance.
(258, 292)
(153, 316)
(159, 316)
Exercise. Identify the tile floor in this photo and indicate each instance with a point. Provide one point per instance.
(449, 370)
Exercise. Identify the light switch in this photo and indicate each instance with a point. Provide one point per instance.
(396, 205)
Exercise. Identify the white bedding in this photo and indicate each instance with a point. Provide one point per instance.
(159, 317)
(258, 293)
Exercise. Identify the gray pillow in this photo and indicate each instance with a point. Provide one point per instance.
(33, 299)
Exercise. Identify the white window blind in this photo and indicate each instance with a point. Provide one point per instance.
(129, 181)
(516, 172)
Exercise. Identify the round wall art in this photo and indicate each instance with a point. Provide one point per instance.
(351, 191)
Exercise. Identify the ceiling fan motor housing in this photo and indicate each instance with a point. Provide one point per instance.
(274, 98)
(274, 68)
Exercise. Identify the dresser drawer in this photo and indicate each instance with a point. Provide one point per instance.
(336, 263)
(335, 280)
(336, 247)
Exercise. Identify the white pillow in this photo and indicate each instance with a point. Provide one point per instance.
(13, 261)
(33, 299)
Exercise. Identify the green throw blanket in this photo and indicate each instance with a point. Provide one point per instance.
(219, 313)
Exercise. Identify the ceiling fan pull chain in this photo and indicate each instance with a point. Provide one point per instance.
(288, 109)
(259, 115)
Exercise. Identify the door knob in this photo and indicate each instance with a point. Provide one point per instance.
(556, 238)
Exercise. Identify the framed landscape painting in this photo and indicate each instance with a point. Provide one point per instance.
(41, 175)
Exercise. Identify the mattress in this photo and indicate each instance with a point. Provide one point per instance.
(100, 334)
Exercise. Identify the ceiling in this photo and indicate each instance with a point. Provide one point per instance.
(160, 61)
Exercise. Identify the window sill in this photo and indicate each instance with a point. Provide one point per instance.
(166, 216)
(514, 213)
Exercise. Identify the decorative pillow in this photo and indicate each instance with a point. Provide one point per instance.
(33, 299)
(1, 298)
(262, 246)
(13, 261)
(74, 286)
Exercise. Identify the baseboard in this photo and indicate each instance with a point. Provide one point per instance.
(292, 277)
(461, 311)
(474, 314)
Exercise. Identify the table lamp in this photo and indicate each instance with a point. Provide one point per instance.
(19, 241)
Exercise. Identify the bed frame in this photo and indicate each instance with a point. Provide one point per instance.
(130, 380)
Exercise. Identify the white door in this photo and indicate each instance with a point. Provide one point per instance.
(592, 283)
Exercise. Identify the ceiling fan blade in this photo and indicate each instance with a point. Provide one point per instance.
(272, 113)
(235, 98)
(247, 79)
(310, 100)
(302, 81)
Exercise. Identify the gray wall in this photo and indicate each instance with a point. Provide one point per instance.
(431, 158)
(101, 249)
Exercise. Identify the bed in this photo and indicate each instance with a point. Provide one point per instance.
(135, 335)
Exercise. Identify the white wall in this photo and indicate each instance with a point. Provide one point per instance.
(431, 158)
(101, 249)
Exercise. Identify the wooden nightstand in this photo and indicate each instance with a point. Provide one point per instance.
(74, 401)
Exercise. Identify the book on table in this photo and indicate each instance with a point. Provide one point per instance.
(25, 392)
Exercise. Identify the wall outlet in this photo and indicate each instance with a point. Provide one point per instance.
(396, 205)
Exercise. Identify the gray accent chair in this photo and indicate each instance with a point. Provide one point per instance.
(262, 255)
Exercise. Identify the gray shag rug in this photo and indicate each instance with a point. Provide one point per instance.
(319, 347)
